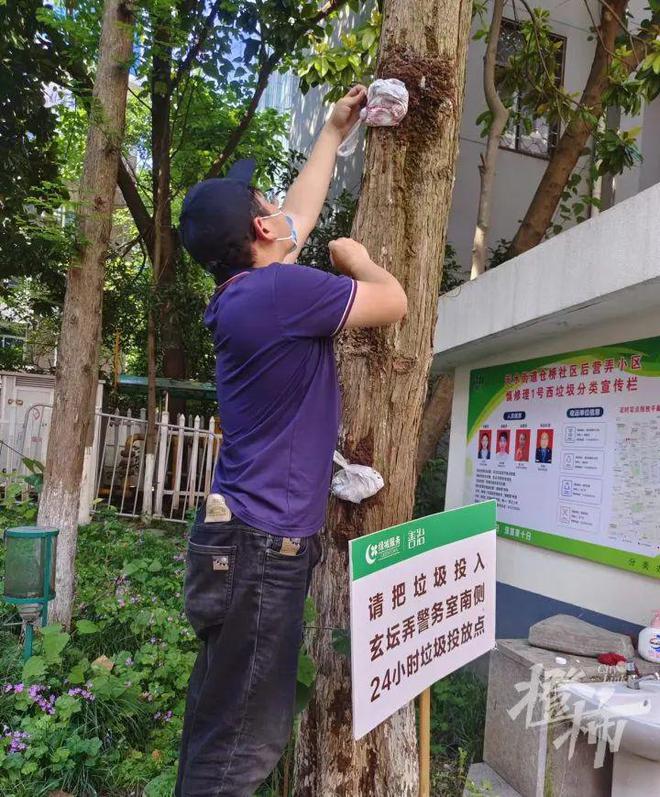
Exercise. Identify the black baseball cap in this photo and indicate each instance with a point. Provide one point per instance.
(216, 213)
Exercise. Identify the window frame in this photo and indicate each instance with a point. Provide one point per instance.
(553, 139)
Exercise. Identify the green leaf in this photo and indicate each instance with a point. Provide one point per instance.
(79, 671)
(54, 642)
(67, 706)
(34, 669)
(87, 627)
(341, 641)
(306, 669)
(368, 38)
(155, 566)
(134, 566)
(303, 696)
(310, 613)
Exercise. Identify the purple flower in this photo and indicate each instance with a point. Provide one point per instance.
(80, 692)
(153, 640)
(129, 662)
(18, 739)
(121, 603)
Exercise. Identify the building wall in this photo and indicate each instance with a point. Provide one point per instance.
(596, 284)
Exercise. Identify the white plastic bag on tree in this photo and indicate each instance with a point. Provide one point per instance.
(354, 483)
(387, 104)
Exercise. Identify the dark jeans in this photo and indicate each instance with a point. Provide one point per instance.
(244, 597)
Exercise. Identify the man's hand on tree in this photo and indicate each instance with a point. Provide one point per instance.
(349, 257)
(347, 110)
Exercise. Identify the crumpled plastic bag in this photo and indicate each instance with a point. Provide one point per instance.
(387, 104)
(354, 483)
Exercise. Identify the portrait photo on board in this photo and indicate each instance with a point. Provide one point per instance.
(484, 444)
(502, 444)
(522, 445)
(544, 445)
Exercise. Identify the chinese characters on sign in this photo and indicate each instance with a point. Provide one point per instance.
(568, 447)
(422, 612)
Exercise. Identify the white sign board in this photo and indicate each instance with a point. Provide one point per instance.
(422, 605)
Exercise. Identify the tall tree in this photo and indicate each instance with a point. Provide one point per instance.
(401, 219)
(606, 85)
(186, 46)
(500, 116)
(78, 353)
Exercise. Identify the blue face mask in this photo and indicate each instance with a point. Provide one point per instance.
(294, 233)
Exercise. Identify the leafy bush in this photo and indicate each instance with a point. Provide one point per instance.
(458, 714)
(100, 710)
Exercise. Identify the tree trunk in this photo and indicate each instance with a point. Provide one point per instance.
(574, 139)
(164, 261)
(77, 366)
(401, 218)
(435, 419)
(487, 167)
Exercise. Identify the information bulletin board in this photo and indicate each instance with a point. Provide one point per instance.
(569, 447)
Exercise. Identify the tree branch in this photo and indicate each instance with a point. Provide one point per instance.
(125, 180)
(195, 49)
(437, 415)
(265, 71)
(141, 216)
(498, 125)
(573, 140)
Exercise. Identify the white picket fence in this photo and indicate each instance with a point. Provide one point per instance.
(117, 471)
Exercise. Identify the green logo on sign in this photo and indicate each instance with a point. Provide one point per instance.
(383, 549)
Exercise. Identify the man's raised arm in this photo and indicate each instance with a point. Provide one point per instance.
(307, 194)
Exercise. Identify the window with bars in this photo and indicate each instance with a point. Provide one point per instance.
(536, 136)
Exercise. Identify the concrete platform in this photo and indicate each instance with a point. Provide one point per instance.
(483, 780)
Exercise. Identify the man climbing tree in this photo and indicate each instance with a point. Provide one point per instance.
(255, 541)
(78, 350)
(401, 219)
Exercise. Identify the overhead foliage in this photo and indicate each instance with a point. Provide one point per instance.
(29, 184)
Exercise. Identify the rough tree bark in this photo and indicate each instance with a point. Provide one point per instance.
(78, 350)
(487, 166)
(436, 417)
(401, 218)
(574, 139)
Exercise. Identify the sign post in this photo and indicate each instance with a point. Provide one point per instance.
(422, 605)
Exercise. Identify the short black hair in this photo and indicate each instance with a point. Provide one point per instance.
(235, 255)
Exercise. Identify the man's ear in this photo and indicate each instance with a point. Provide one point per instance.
(263, 229)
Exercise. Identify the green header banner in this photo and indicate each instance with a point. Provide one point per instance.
(388, 547)
(488, 386)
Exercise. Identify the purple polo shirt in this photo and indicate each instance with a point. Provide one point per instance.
(278, 393)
